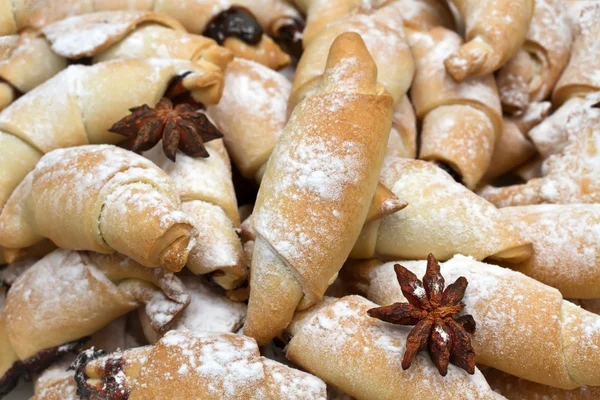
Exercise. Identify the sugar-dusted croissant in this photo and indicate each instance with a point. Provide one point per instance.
(316, 192)
(381, 29)
(442, 217)
(570, 176)
(101, 36)
(514, 388)
(495, 30)
(532, 73)
(184, 364)
(208, 198)
(524, 327)
(251, 114)
(101, 198)
(580, 77)
(79, 105)
(455, 115)
(514, 148)
(362, 356)
(69, 295)
(566, 246)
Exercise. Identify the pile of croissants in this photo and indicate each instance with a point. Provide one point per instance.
(353, 135)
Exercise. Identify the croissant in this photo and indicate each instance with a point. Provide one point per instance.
(495, 30)
(580, 75)
(566, 241)
(381, 29)
(208, 198)
(68, 295)
(209, 18)
(442, 217)
(454, 115)
(520, 389)
(524, 327)
(532, 73)
(81, 103)
(251, 114)
(360, 355)
(101, 36)
(100, 198)
(570, 176)
(315, 195)
(217, 365)
(514, 147)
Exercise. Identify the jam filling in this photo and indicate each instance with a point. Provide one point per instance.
(113, 386)
(234, 22)
(289, 37)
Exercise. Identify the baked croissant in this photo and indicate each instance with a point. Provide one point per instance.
(69, 295)
(454, 116)
(100, 198)
(495, 30)
(211, 18)
(315, 195)
(442, 217)
(208, 198)
(217, 365)
(101, 36)
(570, 176)
(79, 105)
(533, 71)
(382, 32)
(524, 327)
(362, 356)
(566, 246)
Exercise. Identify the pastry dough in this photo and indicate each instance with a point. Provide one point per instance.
(495, 30)
(455, 116)
(442, 217)
(100, 198)
(566, 246)
(532, 73)
(524, 327)
(81, 103)
(208, 198)
(316, 192)
(403, 136)
(220, 366)
(69, 295)
(362, 356)
(251, 114)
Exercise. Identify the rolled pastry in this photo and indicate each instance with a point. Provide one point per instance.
(100, 198)
(495, 30)
(403, 136)
(316, 192)
(423, 15)
(514, 147)
(208, 198)
(381, 29)
(208, 311)
(566, 246)
(101, 36)
(461, 122)
(532, 73)
(580, 77)
(251, 114)
(442, 217)
(80, 104)
(570, 176)
(360, 355)
(220, 366)
(69, 295)
(514, 388)
(56, 383)
(524, 327)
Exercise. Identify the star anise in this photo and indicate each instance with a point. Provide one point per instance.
(181, 127)
(433, 312)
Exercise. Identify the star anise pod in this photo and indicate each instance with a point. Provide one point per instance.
(181, 127)
(432, 310)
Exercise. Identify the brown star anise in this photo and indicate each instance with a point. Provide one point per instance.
(433, 312)
(180, 127)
